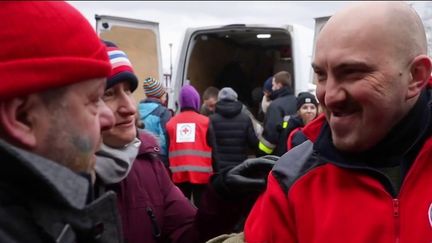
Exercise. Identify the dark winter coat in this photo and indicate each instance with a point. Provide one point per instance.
(153, 209)
(234, 133)
(41, 201)
(294, 122)
(284, 103)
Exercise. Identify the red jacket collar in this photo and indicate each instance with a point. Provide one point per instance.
(313, 128)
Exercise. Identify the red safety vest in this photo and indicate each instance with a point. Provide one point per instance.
(190, 157)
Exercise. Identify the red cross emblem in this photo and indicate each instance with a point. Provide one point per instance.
(185, 130)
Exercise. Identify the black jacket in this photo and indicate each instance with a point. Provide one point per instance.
(41, 201)
(285, 103)
(294, 122)
(234, 133)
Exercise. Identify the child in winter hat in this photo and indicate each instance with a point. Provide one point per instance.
(153, 88)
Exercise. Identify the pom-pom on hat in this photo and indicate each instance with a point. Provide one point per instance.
(153, 88)
(47, 44)
(305, 98)
(122, 70)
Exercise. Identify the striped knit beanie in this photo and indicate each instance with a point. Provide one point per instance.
(46, 44)
(153, 88)
(122, 70)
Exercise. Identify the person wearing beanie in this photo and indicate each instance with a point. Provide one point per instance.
(129, 164)
(121, 67)
(190, 146)
(153, 88)
(154, 114)
(189, 98)
(51, 119)
(291, 127)
(233, 130)
(307, 107)
(227, 93)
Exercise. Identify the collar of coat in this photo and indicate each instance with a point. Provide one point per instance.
(399, 147)
(284, 91)
(43, 178)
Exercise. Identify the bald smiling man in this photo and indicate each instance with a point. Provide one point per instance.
(365, 173)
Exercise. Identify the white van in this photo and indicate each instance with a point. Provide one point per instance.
(243, 57)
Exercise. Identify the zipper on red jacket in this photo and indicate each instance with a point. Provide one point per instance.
(396, 218)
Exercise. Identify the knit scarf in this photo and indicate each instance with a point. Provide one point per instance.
(113, 164)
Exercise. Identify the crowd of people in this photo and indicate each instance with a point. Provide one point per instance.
(85, 162)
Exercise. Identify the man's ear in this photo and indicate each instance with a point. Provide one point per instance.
(15, 117)
(421, 73)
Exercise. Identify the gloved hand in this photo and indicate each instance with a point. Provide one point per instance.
(247, 178)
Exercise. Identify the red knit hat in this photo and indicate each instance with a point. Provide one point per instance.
(47, 44)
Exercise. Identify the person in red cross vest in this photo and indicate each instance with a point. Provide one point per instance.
(190, 142)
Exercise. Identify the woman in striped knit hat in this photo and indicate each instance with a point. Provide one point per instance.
(151, 207)
(154, 114)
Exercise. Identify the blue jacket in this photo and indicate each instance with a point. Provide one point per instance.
(155, 116)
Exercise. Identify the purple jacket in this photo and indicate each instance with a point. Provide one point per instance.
(153, 209)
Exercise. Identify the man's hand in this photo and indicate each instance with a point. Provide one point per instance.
(247, 178)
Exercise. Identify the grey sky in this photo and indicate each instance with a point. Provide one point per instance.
(175, 17)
